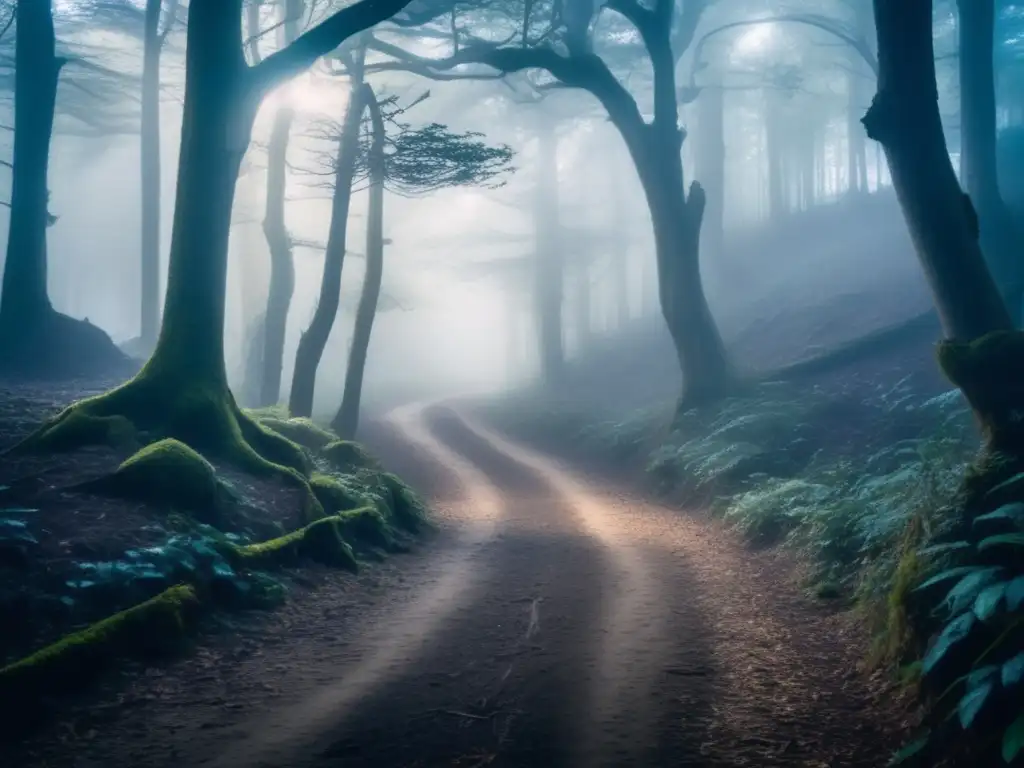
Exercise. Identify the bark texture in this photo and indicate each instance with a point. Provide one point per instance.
(904, 119)
(982, 353)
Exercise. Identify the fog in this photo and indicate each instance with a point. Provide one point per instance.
(456, 312)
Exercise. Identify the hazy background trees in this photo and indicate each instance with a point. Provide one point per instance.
(770, 94)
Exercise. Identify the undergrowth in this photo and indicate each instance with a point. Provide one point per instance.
(851, 481)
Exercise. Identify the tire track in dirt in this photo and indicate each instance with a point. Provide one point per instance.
(397, 641)
(553, 652)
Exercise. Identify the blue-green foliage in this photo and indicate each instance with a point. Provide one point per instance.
(779, 469)
(198, 556)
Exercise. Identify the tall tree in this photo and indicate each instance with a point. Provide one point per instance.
(904, 118)
(346, 420)
(159, 21)
(655, 147)
(314, 338)
(34, 337)
(282, 268)
(182, 391)
(1001, 238)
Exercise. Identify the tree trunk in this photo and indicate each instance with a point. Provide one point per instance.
(549, 268)
(313, 341)
(1000, 237)
(34, 338)
(282, 267)
(677, 217)
(346, 421)
(149, 295)
(656, 149)
(216, 127)
(24, 300)
(904, 118)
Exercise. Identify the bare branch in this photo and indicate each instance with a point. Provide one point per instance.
(298, 57)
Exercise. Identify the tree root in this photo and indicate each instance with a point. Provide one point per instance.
(157, 404)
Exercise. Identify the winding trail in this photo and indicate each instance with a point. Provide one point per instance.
(557, 623)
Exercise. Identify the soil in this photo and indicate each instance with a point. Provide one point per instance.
(554, 619)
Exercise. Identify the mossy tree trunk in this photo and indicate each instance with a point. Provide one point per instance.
(35, 338)
(282, 267)
(314, 339)
(1001, 238)
(904, 119)
(346, 420)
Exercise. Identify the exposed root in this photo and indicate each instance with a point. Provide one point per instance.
(155, 626)
(299, 430)
(167, 472)
(157, 405)
(321, 541)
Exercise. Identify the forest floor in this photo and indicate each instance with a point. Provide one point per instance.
(555, 619)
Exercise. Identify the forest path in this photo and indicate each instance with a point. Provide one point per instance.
(558, 623)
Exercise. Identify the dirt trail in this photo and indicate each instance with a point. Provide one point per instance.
(556, 623)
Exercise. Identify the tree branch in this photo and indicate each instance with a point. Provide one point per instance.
(587, 72)
(823, 23)
(285, 64)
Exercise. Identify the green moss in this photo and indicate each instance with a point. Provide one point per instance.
(990, 372)
(366, 525)
(321, 541)
(349, 456)
(896, 635)
(167, 403)
(406, 507)
(301, 431)
(166, 472)
(268, 412)
(82, 428)
(333, 494)
(156, 626)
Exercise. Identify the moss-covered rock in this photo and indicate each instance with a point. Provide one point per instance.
(320, 541)
(349, 456)
(166, 472)
(156, 626)
(301, 431)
